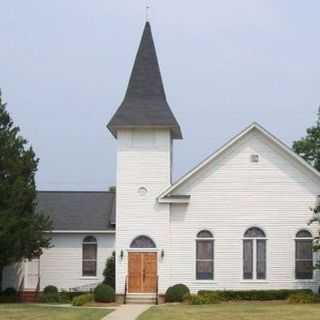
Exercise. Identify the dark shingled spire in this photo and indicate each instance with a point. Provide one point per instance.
(145, 103)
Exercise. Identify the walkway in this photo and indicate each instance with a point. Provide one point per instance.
(127, 312)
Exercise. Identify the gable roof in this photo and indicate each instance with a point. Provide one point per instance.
(145, 103)
(166, 194)
(78, 210)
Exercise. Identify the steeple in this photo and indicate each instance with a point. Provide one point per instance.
(145, 104)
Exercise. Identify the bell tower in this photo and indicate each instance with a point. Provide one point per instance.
(145, 128)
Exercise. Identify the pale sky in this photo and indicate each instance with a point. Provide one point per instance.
(65, 64)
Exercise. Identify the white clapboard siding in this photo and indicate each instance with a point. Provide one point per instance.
(143, 160)
(61, 265)
(232, 194)
(13, 276)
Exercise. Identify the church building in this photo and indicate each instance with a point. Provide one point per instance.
(236, 221)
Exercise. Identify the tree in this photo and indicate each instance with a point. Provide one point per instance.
(316, 240)
(309, 149)
(21, 227)
(109, 272)
(309, 146)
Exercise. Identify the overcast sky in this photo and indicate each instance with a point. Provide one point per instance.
(65, 64)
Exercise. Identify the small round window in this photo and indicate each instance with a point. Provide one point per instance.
(142, 191)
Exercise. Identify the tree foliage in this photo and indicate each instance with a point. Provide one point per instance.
(109, 272)
(21, 227)
(308, 147)
(316, 240)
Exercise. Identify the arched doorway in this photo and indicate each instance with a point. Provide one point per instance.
(142, 266)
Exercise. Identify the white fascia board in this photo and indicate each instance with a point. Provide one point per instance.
(232, 141)
(173, 200)
(82, 231)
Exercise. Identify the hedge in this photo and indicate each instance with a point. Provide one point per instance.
(197, 299)
(82, 299)
(303, 298)
(9, 295)
(260, 295)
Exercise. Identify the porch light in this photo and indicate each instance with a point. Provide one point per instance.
(162, 254)
(121, 254)
(318, 201)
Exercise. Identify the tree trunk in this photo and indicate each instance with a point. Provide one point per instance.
(1, 269)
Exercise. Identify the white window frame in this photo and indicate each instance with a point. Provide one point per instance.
(90, 260)
(254, 257)
(295, 255)
(213, 255)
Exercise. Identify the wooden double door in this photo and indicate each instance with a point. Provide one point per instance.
(142, 272)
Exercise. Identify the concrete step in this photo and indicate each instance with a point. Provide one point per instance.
(141, 298)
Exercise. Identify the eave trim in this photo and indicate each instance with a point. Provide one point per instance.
(231, 142)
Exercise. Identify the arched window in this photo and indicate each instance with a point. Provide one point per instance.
(254, 254)
(142, 242)
(204, 256)
(89, 256)
(304, 255)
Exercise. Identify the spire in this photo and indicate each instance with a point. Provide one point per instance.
(145, 103)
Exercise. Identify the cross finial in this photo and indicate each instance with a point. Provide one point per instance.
(147, 10)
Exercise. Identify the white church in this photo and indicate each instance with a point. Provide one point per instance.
(238, 220)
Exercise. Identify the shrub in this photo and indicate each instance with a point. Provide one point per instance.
(50, 298)
(9, 292)
(50, 290)
(65, 296)
(302, 298)
(261, 295)
(8, 299)
(103, 293)
(9, 295)
(82, 299)
(212, 298)
(196, 299)
(109, 272)
(177, 293)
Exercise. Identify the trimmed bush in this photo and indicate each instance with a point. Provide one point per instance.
(249, 295)
(177, 293)
(303, 298)
(8, 299)
(65, 297)
(9, 295)
(50, 290)
(50, 294)
(50, 298)
(196, 299)
(9, 292)
(103, 293)
(69, 295)
(212, 298)
(82, 299)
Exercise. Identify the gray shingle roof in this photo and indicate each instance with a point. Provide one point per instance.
(72, 210)
(145, 103)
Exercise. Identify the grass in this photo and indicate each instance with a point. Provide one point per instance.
(234, 311)
(35, 312)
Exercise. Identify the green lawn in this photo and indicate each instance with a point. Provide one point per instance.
(234, 311)
(30, 312)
